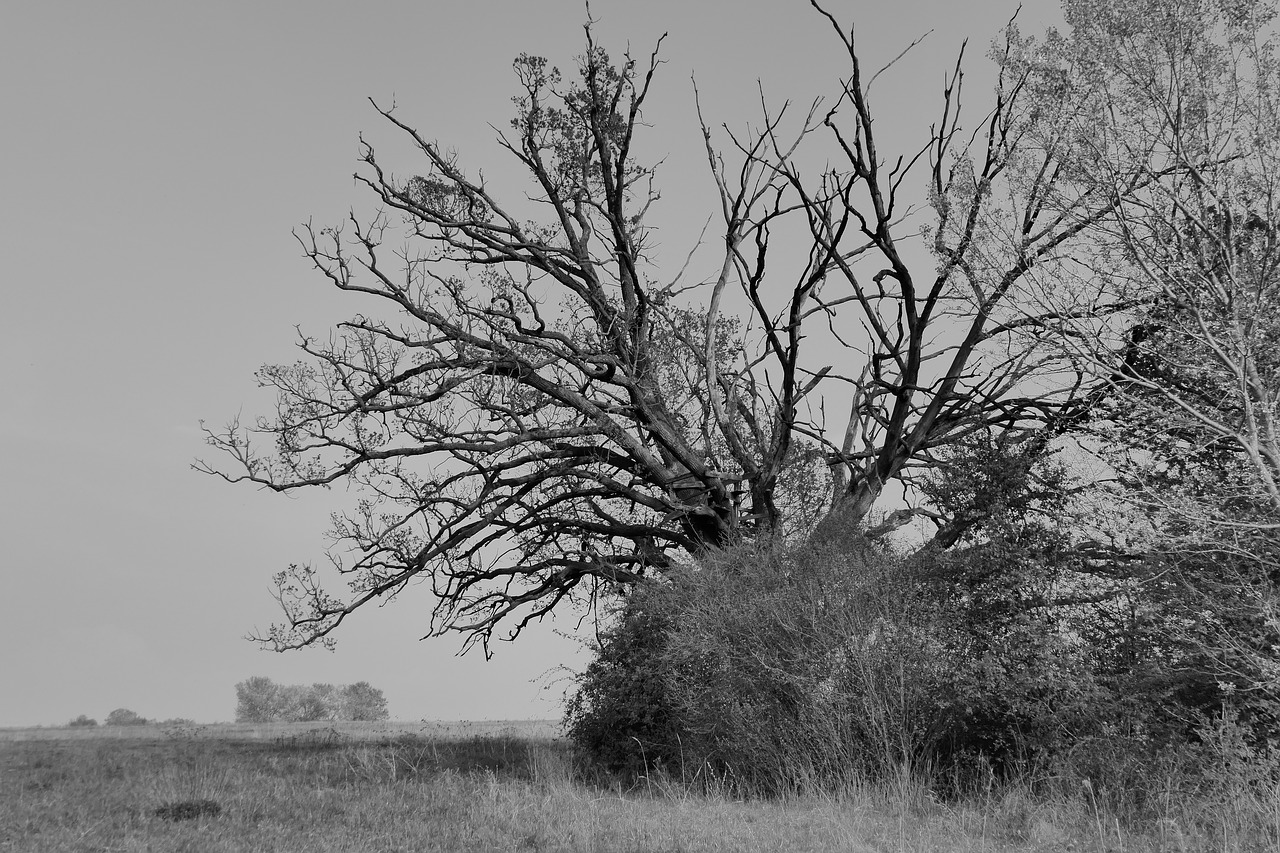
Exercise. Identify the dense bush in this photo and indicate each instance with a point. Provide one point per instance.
(778, 668)
(808, 666)
(783, 667)
(795, 667)
(620, 713)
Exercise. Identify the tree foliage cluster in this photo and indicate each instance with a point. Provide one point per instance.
(261, 700)
(1048, 513)
(125, 717)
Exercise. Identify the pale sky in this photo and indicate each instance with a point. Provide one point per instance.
(155, 156)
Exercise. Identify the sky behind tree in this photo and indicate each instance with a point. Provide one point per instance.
(156, 157)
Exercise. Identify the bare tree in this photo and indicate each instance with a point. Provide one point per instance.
(540, 415)
(534, 423)
(929, 310)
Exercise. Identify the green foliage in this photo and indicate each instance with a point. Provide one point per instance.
(1207, 646)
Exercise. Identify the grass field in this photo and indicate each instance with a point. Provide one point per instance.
(485, 786)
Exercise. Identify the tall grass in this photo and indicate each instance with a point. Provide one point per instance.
(508, 792)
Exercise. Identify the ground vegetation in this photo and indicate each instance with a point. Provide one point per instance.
(349, 787)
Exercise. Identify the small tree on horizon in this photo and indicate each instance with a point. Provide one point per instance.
(125, 717)
(364, 702)
(257, 700)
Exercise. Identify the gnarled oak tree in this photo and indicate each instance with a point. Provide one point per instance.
(532, 408)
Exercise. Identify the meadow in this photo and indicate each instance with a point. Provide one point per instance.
(509, 786)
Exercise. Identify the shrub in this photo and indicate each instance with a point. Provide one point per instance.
(999, 646)
(188, 810)
(792, 668)
(799, 667)
(775, 668)
(620, 715)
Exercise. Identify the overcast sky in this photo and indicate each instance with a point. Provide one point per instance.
(156, 156)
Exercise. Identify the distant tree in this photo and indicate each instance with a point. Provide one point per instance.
(260, 700)
(83, 721)
(289, 702)
(257, 700)
(317, 702)
(362, 701)
(125, 717)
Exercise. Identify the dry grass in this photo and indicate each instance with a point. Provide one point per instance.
(492, 787)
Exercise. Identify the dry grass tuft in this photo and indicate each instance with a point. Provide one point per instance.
(188, 810)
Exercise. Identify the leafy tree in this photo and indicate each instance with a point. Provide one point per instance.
(125, 717)
(292, 704)
(1015, 601)
(317, 702)
(1185, 95)
(362, 701)
(257, 700)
